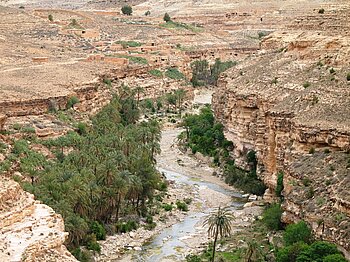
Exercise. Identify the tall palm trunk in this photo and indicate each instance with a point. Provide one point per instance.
(214, 245)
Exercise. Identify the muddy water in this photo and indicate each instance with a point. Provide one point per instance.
(170, 244)
(173, 243)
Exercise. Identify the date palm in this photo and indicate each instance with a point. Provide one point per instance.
(219, 223)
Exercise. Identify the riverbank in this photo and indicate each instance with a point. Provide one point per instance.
(188, 177)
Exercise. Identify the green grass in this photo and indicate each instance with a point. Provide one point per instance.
(230, 256)
(156, 73)
(126, 44)
(181, 26)
(135, 59)
(174, 73)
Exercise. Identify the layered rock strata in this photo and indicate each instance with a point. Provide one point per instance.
(290, 104)
(30, 231)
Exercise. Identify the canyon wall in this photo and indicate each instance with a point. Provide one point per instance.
(29, 230)
(290, 104)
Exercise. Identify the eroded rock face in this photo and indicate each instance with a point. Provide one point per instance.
(290, 104)
(30, 231)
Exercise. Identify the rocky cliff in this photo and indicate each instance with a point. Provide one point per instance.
(290, 104)
(30, 231)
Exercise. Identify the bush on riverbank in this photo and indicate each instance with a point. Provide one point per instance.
(203, 134)
(182, 206)
(246, 181)
(272, 217)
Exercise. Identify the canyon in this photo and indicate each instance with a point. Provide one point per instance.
(290, 104)
(288, 99)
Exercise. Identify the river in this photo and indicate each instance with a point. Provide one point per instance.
(170, 244)
(183, 232)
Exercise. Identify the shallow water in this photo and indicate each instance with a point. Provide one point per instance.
(168, 245)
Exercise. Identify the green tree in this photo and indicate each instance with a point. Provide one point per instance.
(290, 253)
(272, 217)
(50, 17)
(334, 258)
(317, 251)
(167, 18)
(297, 232)
(279, 186)
(126, 10)
(219, 223)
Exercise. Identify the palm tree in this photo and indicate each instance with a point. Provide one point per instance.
(253, 251)
(139, 90)
(219, 223)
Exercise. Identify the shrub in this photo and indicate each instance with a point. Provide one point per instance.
(124, 227)
(334, 258)
(290, 253)
(163, 186)
(107, 81)
(348, 77)
(52, 107)
(50, 17)
(272, 217)
(174, 73)
(182, 206)
(94, 245)
(28, 129)
(261, 34)
(321, 11)
(150, 226)
(148, 13)
(317, 251)
(167, 18)
(332, 71)
(312, 150)
(306, 84)
(188, 200)
(72, 101)
(247, 181)
(136, 59)
(297, 232)
(156, 73)
(310, 192)
(279, 187)
(81, 255)
(168, 207)
(149, 219)
(126, 10)
(20, 146)
(306, 181)
(98, 230)
(82, 128)
(126, 44)
(193, 258)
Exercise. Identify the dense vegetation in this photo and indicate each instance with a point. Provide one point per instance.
(203, 134)
(99, 173)
(299, 247)
(203, 74)
(268, 239)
